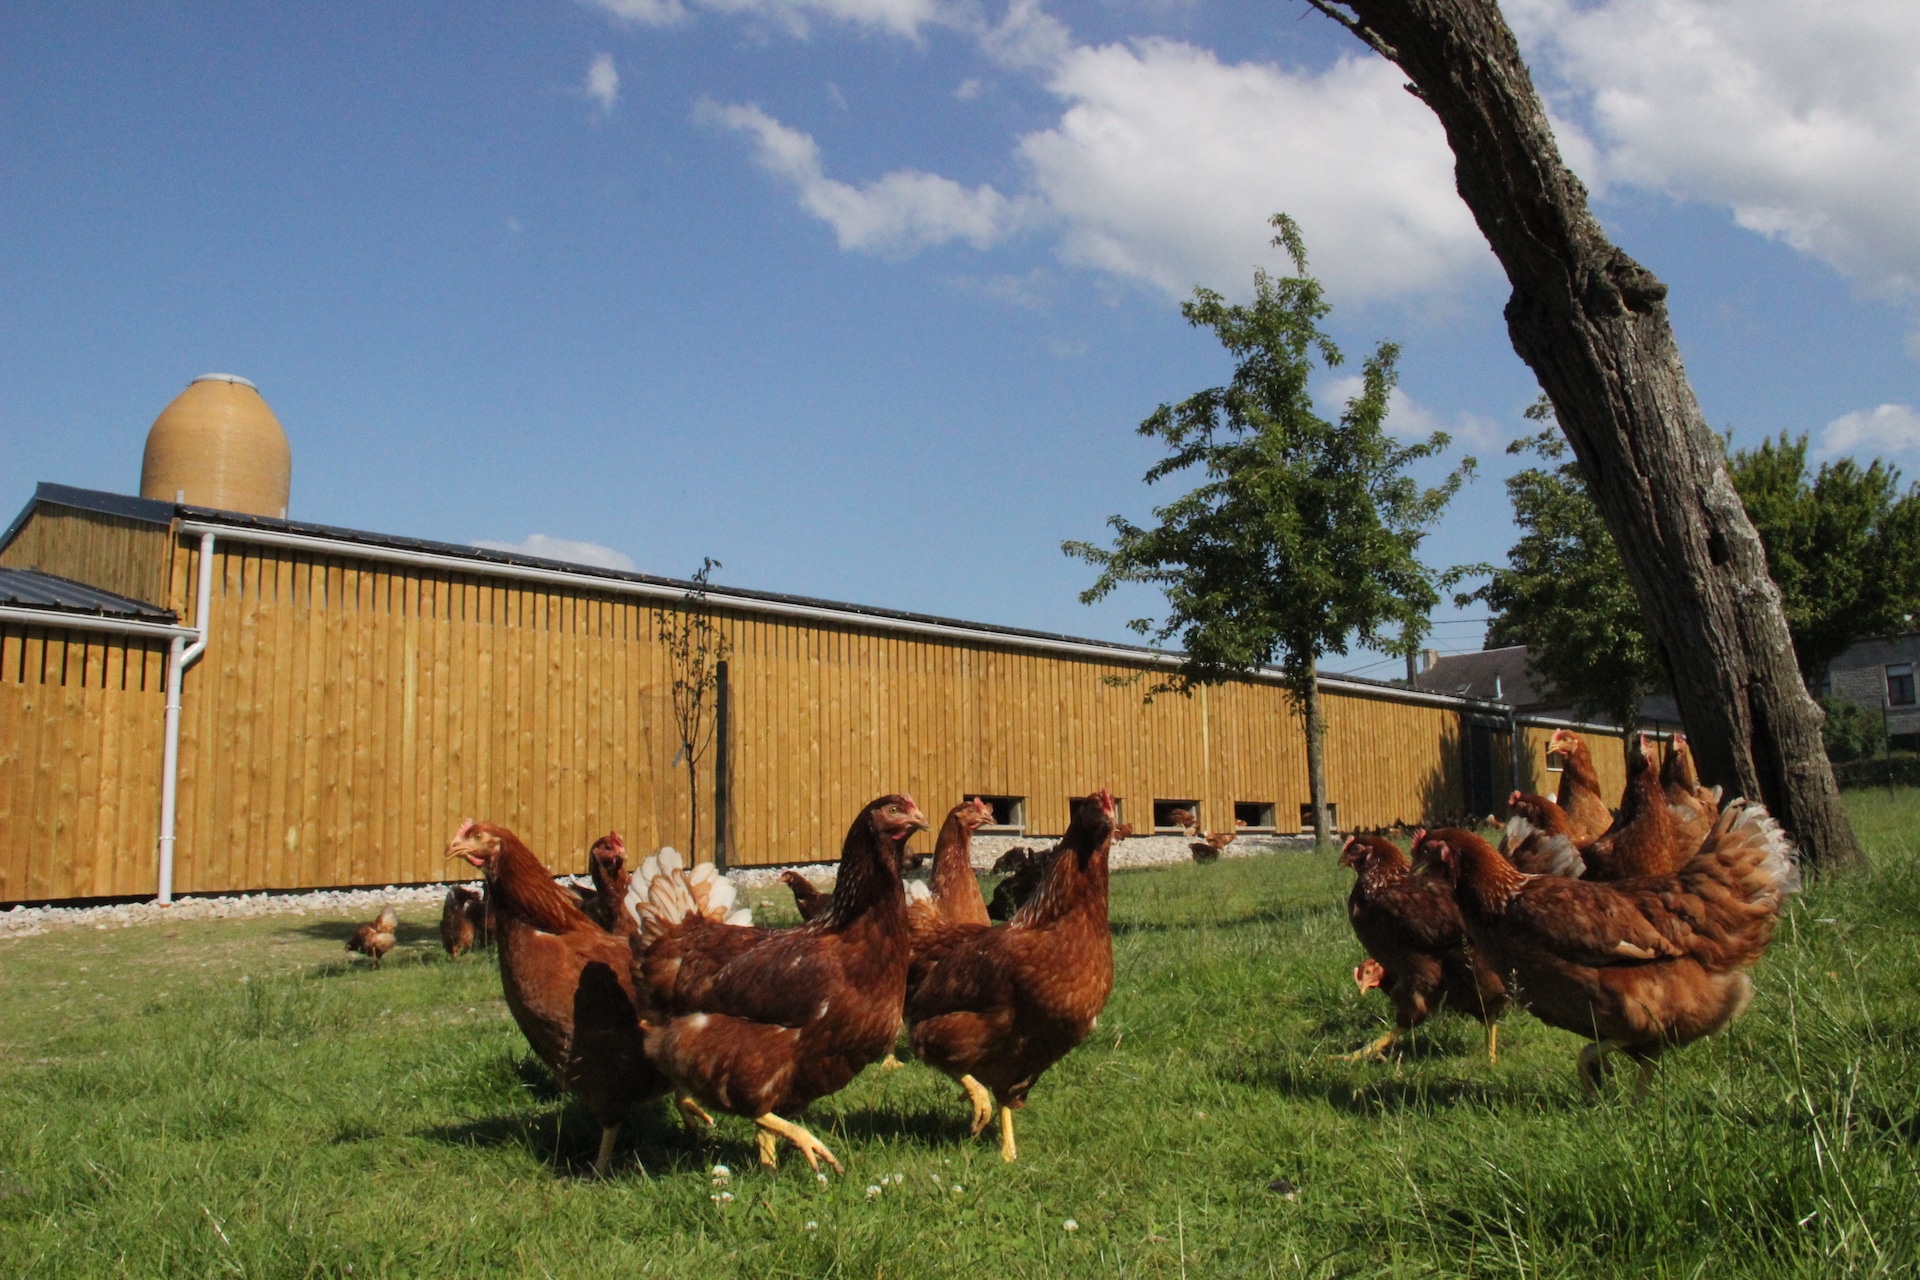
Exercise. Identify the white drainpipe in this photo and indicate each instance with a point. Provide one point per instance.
(179, 657)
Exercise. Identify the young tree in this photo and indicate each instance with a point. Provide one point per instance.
(1304, 534)
(1563, 592)
(1592, 324)
(696, 648)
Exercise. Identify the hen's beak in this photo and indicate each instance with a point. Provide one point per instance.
(916, 820)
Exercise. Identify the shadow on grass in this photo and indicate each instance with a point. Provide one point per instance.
(1290, 914)
(567, 1138)
(926, 1127)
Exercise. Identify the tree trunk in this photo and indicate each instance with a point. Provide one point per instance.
(1592, 324)
(1317, 757)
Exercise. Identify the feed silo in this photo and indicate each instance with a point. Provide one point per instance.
(219, 445)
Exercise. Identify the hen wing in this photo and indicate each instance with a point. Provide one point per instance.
(1596, 925)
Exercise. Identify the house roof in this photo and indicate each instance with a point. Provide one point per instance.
(1490, 673)
(31, 589)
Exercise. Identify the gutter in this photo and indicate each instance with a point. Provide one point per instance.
(181, 656)
(55, 620)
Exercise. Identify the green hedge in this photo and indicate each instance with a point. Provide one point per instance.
(1904, 768)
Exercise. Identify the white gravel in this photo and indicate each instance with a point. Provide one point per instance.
(25, 922)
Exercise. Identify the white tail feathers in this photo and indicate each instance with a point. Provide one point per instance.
(917, 892)
(1537, 853)
(663, 892)
(1747, 823)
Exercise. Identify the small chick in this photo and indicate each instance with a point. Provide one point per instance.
(376, 939)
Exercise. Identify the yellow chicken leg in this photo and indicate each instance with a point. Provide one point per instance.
(1008, 1151)
(809, 1146)
(604, 1160)
(692, 1115)
(1493, 1042)
(891, 1063)
(982, 1101)
(1378, 1049)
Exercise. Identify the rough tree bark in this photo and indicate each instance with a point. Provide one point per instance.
(1592, 324)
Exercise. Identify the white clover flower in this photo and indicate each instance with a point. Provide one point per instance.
(813, 1226)
(820, 1178)
(721, 1173)
(872, 1192)
(726, 1197)
(959, 1190)
(1070, 1225)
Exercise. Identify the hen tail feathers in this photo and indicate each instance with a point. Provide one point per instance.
(663, 892)
(1538, 853)
(1748, 853)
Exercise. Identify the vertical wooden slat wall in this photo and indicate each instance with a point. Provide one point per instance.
(1609, 752)
(81, 728)
(114, 553)
(349, 713)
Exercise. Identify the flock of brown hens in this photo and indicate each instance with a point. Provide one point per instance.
(655, 983)
(1635, 930)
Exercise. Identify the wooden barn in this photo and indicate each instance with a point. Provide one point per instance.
(344, 699)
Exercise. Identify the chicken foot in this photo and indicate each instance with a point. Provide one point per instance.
(772, 1128)
(1493, 1042)
(692, 1115)
(1008, 1151)
(976, 1093)
(1592, 1063)
(1378, 1049)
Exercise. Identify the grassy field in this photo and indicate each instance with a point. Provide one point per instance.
(231, 1098)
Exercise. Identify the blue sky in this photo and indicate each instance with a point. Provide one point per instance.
(864, 297)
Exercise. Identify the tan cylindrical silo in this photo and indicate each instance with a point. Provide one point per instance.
(219, 445)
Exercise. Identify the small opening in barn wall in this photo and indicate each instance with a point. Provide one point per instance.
(1175, 815)
(1009, 812)
(1119, 807)
(1556, 761)
(1333, 817)
(1253, 815)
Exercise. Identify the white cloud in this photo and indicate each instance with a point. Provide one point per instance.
(1891, 427)
(969, 89)
(602, 86)
(1408, 419)
(899, 213)
(549, 548)
(650, 13)
(1167, 163)
(899, 17)
(1803, 118)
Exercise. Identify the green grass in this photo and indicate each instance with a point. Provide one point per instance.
(231, 1098)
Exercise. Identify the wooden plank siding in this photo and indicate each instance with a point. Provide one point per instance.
(82, 719)
(350, 712)
(114, 553)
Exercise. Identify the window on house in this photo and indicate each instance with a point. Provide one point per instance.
(1556, 761)
(1253, 815)
(1306, 817)
(1119, 807)
(1900, 684)
(1175, 815)
(1009, 812)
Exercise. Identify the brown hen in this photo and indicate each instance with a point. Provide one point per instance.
(567, 981)
(995, 1007)
(1579, 796)
(760, 1022)
(1411, 927)
(1644, 840)
(466, 921)
(807, 900)
(1640, 966)
(1693, 806)
(375, 940)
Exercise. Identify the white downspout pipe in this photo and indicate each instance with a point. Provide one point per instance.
(180, 656)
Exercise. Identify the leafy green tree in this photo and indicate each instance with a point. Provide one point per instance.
(1563, 592)
(1303, 536)
(1851, 732)
(1841, 545)
(1844, 546)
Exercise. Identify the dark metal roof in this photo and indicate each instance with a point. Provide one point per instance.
(31, 589)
